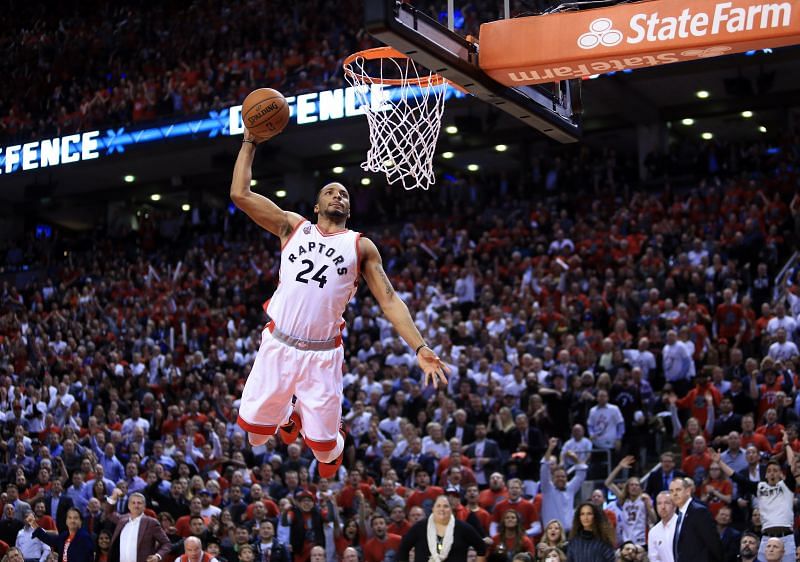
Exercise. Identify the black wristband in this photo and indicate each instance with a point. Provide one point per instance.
(416, 351)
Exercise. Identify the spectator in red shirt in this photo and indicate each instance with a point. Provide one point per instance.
(398, 525)
(771, 429)
(496, 492)
(729, 318)
(696, 400)
(424, 494)
(750, 437)
(347, 495)
(479, 514)
(529, 517)
(383, 545)
(696, 465)
(511, 539)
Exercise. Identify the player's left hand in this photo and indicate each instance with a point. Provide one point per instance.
(434, 368)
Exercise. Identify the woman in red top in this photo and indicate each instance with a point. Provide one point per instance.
(349, 535)
(511, 539)
(716, 489)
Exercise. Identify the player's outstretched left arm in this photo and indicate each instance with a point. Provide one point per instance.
(397, 312)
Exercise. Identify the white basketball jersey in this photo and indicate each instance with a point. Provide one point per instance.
(318, 277)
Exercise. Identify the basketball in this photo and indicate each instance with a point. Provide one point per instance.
(265, 112)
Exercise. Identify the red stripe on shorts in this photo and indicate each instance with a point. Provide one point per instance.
(257, 429)
(320, 445)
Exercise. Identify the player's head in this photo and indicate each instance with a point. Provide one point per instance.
(333, 202)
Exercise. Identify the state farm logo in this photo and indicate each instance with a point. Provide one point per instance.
(601, 32)
(706, 53)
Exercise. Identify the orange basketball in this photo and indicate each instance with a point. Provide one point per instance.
(265, 112)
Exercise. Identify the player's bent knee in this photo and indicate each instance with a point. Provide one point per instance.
(326, 456)
(256, 439)
(320, 446)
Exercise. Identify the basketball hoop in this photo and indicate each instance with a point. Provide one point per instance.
(404, 122)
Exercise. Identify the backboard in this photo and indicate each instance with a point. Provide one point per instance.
(553, 109)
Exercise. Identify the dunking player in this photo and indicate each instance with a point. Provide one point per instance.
(301, 348)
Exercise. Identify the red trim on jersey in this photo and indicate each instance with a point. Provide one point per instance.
(257, 429)
(358, 258)
(265, 305)
(299, 223)
(322, 446)
(332, 233)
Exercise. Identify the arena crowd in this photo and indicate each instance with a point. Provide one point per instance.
(587, 342)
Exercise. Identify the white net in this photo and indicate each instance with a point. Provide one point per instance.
(404, 105)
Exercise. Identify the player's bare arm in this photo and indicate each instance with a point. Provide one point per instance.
(397, 312)
(264, 212)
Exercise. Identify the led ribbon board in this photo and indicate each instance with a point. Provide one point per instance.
(304, 109)
(540, 49)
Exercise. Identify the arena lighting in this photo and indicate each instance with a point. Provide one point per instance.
(447, 155)
(501, 148)
(338, 169)
(366, 181)
(186, 207)
(155, 197)
(762, 129)
(451, 129)
(253, 183)
(702, 94)
(129, 179)
(707, 136)
(337, 146)
(473, 167)
(747, 114)
(688, 121)
(280, 194)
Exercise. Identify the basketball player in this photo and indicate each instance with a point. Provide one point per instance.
(301, 350)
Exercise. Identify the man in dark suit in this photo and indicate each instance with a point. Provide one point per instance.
(460, 428)
(407, 465)
(696, 537)
(660, 479)
(728, 420)
(150, 544)
(486, 454)
(57, 504)
(527, 439)
(729, 536)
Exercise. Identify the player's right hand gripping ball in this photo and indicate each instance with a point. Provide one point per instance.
(265, 112)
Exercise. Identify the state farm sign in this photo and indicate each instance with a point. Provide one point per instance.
(539, 49)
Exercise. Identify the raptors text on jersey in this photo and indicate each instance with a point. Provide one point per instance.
(318, 277)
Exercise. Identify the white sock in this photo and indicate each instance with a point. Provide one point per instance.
(333, 454)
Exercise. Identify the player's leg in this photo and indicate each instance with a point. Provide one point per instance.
(267, 397)
(291, 429)
(319, 406)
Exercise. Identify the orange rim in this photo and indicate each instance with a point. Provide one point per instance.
(389, 53)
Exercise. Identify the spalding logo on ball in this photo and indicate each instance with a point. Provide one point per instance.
(265, 112)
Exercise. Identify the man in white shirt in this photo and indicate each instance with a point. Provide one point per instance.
(578, 444)
(137, 537)
(606, 424)
(782, 350)
(676, 360)
(659, 540)
(781, 320)
(641, 357)
(31, 547)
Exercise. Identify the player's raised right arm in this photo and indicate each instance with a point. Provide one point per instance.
(264, 212)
